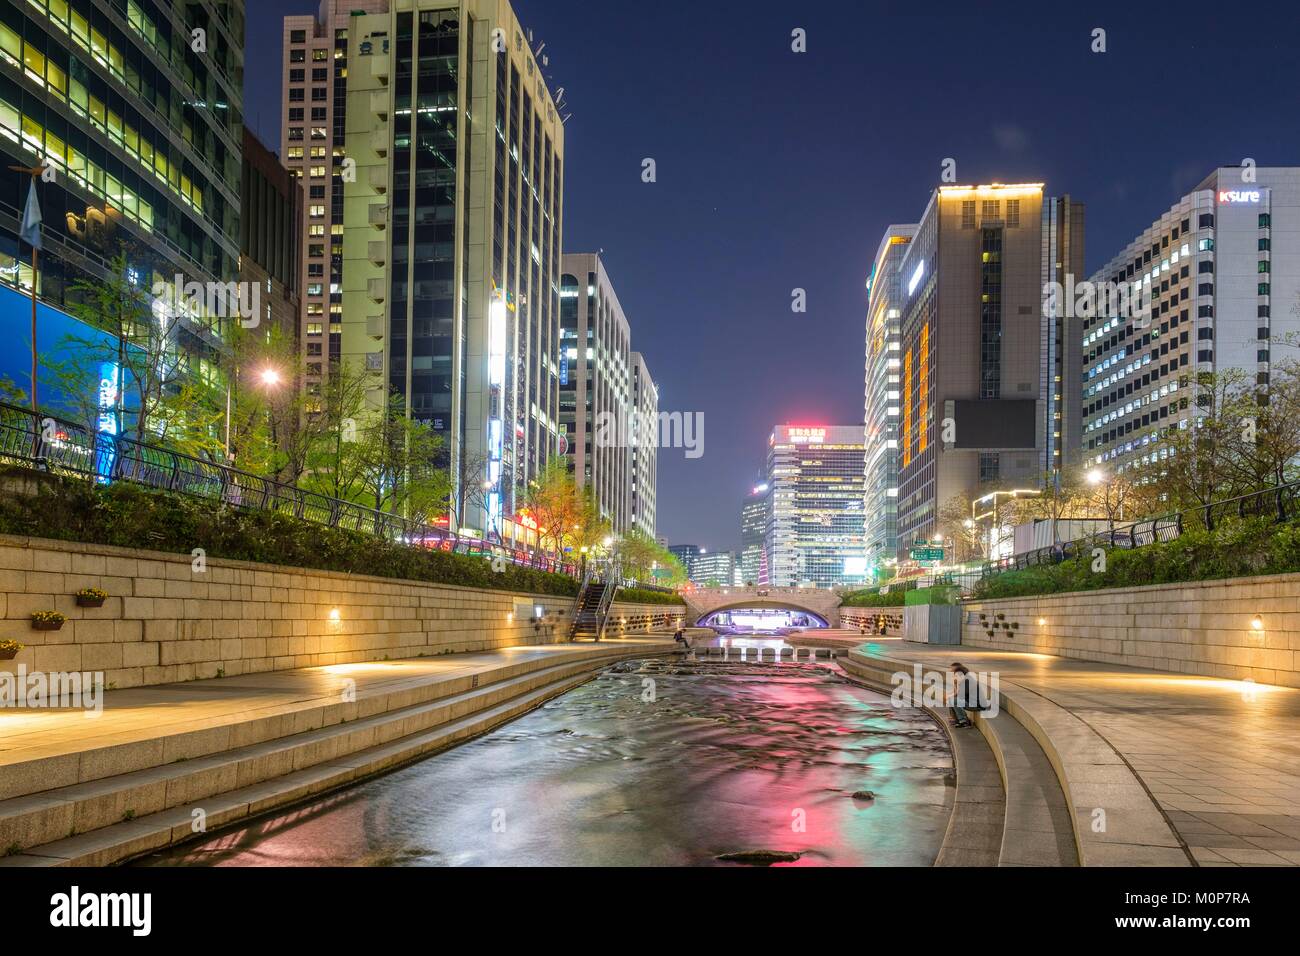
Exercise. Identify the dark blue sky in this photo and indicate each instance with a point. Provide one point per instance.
(779, 170)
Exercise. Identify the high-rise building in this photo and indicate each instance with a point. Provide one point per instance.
(1220, 274)
(881, 406)
(141, 135)
(452, 240)
(270, 237)
(312, 145)
(816, 483)
(596, 407)
(644, 446)
(711, 569)
(755, 517)
(685, 553)
(984, 387)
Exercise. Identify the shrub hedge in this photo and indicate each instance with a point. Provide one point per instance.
(130, 516)
(1235, 548)
(641, 596)
(894, 598)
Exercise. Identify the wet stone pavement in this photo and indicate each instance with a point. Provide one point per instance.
(656, 762)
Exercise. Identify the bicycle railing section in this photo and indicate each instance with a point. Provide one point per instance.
(64, 448)
(1275, 504)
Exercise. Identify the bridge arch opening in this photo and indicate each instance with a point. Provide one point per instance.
(761, 619)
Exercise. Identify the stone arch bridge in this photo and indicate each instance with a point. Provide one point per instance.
(701, 602)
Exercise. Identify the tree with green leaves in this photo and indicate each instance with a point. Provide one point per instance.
(169, 404)
(559, 508)
(386, 461)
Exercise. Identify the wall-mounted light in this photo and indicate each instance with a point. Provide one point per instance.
(1042, 621)
(1257, 623)
(334, 615)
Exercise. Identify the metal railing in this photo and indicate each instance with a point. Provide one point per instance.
(60, 447)
(1277, 504)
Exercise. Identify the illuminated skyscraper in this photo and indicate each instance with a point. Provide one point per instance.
(596, 407)
(988, 382)
(883, 372)
(755, 516)
(816, 484)
(645, 447)
(1222, 267)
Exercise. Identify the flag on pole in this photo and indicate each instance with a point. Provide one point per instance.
(30, 232)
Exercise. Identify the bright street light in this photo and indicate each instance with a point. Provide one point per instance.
(270, 377)
(1096, 477)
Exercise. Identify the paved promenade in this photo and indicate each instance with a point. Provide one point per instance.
(1221, 758)
(146, 713)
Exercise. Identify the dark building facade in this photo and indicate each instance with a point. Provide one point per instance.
(270, 236)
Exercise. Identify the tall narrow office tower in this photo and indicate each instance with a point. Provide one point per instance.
(452, 240)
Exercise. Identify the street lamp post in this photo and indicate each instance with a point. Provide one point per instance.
(271, 378)
(1096, 478)
(993, 496)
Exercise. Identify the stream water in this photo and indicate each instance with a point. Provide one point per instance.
(660, 762)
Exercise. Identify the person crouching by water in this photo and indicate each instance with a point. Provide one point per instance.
(965, 695)
(680, 637)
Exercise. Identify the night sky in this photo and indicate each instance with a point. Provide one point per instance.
(779, 170)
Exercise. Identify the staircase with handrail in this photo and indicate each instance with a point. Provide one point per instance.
(592, 606)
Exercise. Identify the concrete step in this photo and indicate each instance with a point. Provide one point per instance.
(98, 748)
(1038, 830)
(54, 814)
(1035, 826)
(1112, 818)
(131, 838)
(438, 699)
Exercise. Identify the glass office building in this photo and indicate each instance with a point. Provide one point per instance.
(755, 516)
(883, 370)
(596, 389)
(815, 477)
(142, 133)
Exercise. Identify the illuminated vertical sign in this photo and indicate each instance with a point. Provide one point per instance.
(106, 421)
(923, 389)
(907, 408)
(497, 343)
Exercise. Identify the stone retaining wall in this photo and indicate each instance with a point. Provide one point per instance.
(869, 617)
(164, 622)
(1204, 627)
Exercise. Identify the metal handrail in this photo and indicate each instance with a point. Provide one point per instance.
(1278, 504)
(606, 602)
(577, 599)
